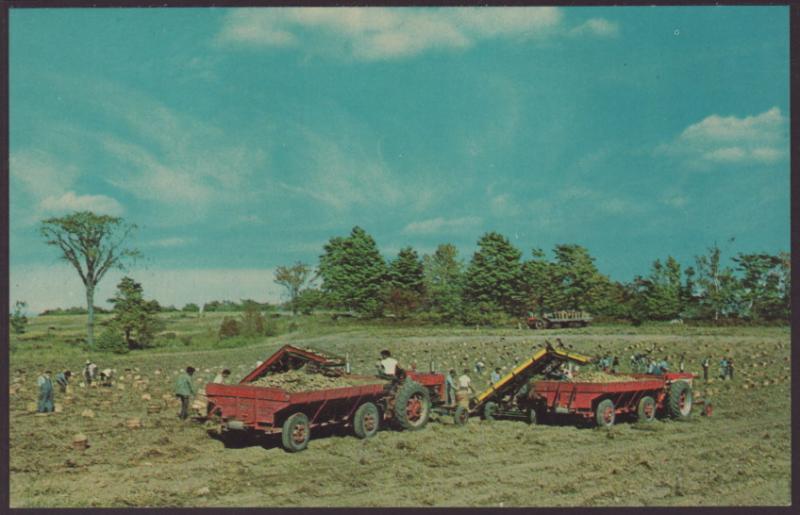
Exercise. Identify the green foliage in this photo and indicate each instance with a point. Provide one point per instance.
(134, 316)
(111, 340)
(191, 308)
(293, 278)
(229, 328)
(92, 244)
(404, 287)
(717, 286)
(764, 285)
(658, 296)
(75, 310)
(17, 319)
(443, 275)
(309, 300)
(229, 306)
(494, 276)
(352, 271)
(271, 327)
(252, 323)
(484, 314)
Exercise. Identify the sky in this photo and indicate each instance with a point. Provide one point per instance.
(238, 140)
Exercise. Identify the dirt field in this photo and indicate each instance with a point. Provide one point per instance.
(740, 456)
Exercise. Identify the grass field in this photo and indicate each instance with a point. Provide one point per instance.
(740, 456)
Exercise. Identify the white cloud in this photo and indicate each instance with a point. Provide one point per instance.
(44, 287)
(441, 225)
(758, 139)
(599, 27)
(371, 33)
(40, 174)
(70, 201)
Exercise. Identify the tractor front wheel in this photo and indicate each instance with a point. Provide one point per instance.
(539, 324)
(366, 420)
(604, 414)
(461, 416)
(489, 411)
(296, 433)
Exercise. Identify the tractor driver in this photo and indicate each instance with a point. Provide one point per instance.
(387, 366)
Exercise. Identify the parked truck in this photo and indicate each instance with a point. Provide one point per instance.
(558, 319)
(403, 401)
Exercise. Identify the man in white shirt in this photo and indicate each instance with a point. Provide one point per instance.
(464, 382)
(387, 366)
(222, 377)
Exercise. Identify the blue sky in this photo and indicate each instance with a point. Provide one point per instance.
(239, 140)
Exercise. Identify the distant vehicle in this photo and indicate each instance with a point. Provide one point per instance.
(558, 319)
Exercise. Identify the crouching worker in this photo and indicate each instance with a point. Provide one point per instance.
(184, 390)
(62, 378)
(106, 377)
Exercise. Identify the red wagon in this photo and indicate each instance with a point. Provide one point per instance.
(404, 401)
(644, 396)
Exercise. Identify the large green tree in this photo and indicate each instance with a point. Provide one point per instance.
(579, 285)
(763, 285)
(494, 276)
(658, 296)
(404, 287)
(293, 278)
(135, 317)
(443, 273)
(717, 285)
(352, 271)
(93, 244)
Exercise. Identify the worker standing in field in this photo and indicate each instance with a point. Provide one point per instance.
(723, 368)
(495, 376)
(62, 378)
(730, 368)
(387, 366)
(615, 365)
(184, 389)
(705, 364)
(89, 371)
(222, 377)
(464, 382)
(682, 363)
(45, 393)
(450, 387)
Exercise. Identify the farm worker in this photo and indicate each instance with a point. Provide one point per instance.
(450, 387)
(615, 366)
(387, 365)
(723, 368)
(706, 363)
(62, 378)
(479, 366)
(89, 371)
(495, 377)
(183, 390)
(105, 376)
(730, 368)
(663, 366)
(222, 377)
(682, 363)
(464, 382)
(45, 393)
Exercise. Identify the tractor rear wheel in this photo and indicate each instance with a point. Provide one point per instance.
(604, 414)
(412, 405)
(366, 420)
(461, 416)
(539, 324)
(646, 411)
(296, 433)
(680, 400)
(489, 410)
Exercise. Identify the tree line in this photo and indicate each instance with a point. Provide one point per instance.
(496, 284)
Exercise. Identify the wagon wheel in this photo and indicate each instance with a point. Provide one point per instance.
(539, 324)
(366, 420)
(490, 410)
(296, 433)
(680, 400)
(461, 416)
(412, 405)
(533, 416)
(646, 410)
(604, 414)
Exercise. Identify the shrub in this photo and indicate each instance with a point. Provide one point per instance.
(252, 322)
(271, 327)
(229, 328)
(111, 340)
